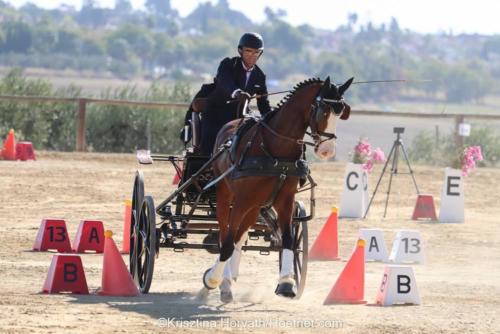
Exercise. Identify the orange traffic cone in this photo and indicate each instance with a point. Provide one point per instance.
(9, 147)
(326, 246)
(350, 286)
(127, 221)
(116, 280)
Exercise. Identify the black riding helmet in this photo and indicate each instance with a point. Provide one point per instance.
(251, 40)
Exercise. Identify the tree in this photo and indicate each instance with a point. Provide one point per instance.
(284, 36)
(273, 15)
(394, 26)
(164, 50)
(91, 47)
(352, 19)
(491, 48)
(159, 7)
(205, 16)
(44, 39)
(91, 15)
(334, 66)
(18, 37)
(466, 83)
(68, 42)
(123, 6)
(31, 11)
(138, 38)
(118, 48)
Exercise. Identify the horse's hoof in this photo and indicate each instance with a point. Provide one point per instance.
(226, 296)
(210, 284)
(286, 290)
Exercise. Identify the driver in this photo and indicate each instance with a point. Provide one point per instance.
(237, 78)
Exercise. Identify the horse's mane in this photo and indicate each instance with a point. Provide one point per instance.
(295, 88)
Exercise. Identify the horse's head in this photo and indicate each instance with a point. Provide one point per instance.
(328, 105)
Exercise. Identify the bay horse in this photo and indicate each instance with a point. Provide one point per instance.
(279, 138)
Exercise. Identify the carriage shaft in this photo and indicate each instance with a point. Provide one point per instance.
(181, 246)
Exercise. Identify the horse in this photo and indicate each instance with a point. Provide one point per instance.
(279, 138)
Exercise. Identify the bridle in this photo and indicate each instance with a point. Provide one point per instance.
(319, 112)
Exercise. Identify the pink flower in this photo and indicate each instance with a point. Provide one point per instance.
(368, 166)
(378, 155)
(476, 152)
(469, 158)
(364, 154)
(363, 148)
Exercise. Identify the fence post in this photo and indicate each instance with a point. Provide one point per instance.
(81, 145)
(148, 134)
(438, 143)
(459, 140)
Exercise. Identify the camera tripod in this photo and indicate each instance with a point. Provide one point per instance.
(394, 157)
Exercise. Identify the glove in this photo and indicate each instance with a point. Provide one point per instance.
(241, 96)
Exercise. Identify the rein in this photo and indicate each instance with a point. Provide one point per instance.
(296, 141)
(318, 137)
(335, 101)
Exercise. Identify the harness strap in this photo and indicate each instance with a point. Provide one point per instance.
(245, 150)
(296, 141)
(268, 166)
(276, 190)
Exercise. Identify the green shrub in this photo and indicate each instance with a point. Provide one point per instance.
(110, 128)
(31, 121)
(125, 129)
(425, 149)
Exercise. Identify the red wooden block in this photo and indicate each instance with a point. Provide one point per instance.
(66, 275)
(424, 208)
(24, 151)
(89, 237)
(52, 234)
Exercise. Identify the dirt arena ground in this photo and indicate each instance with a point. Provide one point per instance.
(459, 283)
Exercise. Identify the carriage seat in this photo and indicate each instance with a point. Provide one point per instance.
(198, 105)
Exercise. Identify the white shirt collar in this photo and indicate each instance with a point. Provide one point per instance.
(245, 68)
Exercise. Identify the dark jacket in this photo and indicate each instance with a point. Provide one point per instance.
(230, 76)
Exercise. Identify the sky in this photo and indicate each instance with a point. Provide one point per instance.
(424, 16)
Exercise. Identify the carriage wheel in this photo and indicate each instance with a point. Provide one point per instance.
(145, 240)
(137, 199)
(300, 249)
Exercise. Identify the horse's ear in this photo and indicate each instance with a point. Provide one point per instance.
(345, 86)
(327, 83)
(326, 86)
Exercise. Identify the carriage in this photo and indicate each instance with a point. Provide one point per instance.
(190, 211)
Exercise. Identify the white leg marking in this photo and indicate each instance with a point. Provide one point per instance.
(236, 257)
(214, 276)
(286, 272)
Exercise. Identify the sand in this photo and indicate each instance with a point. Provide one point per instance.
(458, 284)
